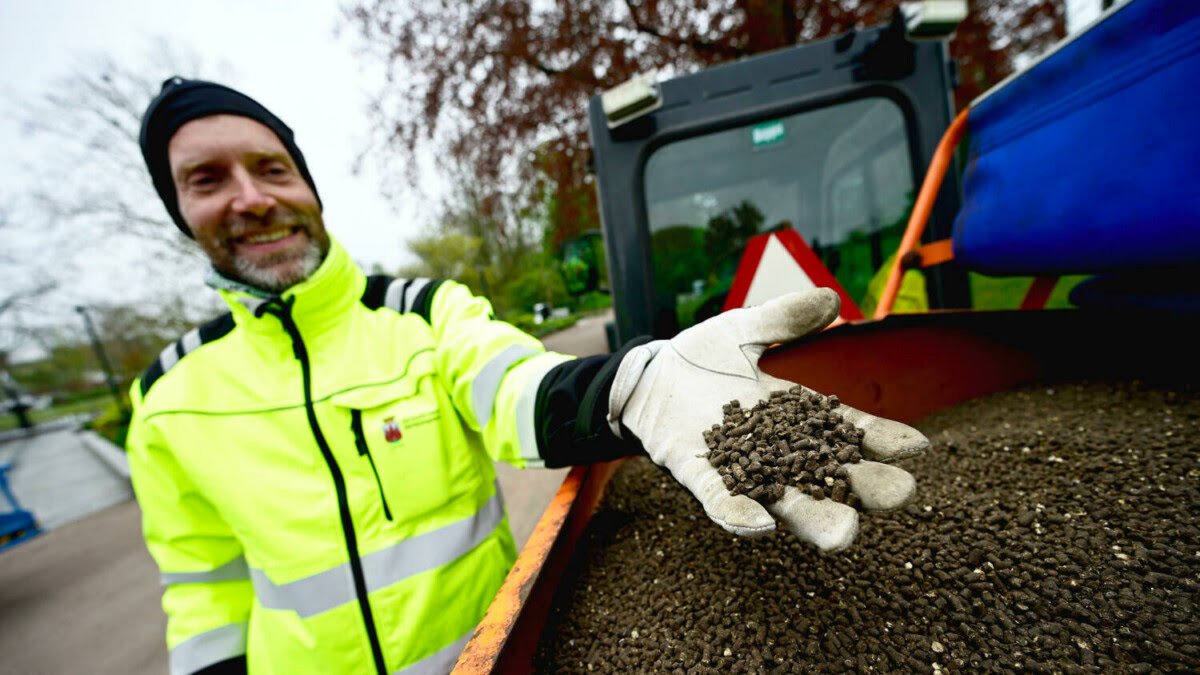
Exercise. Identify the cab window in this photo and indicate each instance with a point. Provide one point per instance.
(841, 176)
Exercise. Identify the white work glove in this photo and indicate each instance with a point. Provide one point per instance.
(669, 392)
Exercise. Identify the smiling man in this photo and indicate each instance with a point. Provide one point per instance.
(314, 467)
(245, 201)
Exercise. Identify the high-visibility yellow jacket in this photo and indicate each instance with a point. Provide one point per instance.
(314, 472)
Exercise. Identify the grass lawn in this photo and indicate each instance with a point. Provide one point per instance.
(92, 405)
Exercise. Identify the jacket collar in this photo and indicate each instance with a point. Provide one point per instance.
(316, 303)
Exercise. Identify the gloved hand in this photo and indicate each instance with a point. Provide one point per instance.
(668, 392)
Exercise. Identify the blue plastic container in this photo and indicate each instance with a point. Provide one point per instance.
(1087, 162)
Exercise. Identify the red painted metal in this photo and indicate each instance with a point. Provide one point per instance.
(905, 370)
(1039, 292)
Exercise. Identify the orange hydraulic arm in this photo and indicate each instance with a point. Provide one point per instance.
(921, 210)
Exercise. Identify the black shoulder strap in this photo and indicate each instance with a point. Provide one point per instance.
(401, 295)
(377, 285)
(174, 352)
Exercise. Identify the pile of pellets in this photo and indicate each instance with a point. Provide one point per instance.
(796, 437)
(1054, 530)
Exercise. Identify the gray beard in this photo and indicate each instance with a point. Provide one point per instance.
(278, 278)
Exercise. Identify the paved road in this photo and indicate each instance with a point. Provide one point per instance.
(84, 597)
(57, 478)
(585, 338)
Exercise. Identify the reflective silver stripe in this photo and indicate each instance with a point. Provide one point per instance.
(395, 295)
(191, 340)
(410, 296)
(432, 549)
(487, 382)
(168, 357)
(205, 649)
(526, 430)
(308, 596)
(401, 293)
(323, 591)
(441, 661)
(231, 571)
(171, 354)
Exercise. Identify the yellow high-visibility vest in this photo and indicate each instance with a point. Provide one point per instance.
(315, 473)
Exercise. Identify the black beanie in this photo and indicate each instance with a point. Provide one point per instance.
(182, 101)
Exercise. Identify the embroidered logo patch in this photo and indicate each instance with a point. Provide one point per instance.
(391, 430)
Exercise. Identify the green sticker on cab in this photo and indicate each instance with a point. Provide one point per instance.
(767, 133)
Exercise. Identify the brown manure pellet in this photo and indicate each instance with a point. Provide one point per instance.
(794, 438)
(1054, 530)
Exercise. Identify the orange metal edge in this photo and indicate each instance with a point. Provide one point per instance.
(538, 563)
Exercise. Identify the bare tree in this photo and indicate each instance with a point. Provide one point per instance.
(90, 209)
(95, 177)
(91, 189)
(91, 117)
(24, 280)
(483, 239)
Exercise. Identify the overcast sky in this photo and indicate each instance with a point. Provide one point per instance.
(283, 53)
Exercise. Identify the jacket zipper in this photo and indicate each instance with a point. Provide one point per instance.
(282, 310)
(360, 440)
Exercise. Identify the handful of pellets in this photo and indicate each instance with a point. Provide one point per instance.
(794, 438)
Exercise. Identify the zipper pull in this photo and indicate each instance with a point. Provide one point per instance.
(360, 439)
(281, 309)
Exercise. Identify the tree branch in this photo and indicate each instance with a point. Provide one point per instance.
(696, 43)
(575, 71)
(26, 294)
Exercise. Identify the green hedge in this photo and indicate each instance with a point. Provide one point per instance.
(112, 424)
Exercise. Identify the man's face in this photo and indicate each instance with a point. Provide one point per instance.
(246, 203)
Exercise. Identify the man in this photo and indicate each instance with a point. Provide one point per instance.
(315, 467)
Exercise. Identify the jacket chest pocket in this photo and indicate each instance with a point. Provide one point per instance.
(402, 459)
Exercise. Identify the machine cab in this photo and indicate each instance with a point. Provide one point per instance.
(828, 139)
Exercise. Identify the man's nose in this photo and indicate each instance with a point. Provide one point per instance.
(250, 197)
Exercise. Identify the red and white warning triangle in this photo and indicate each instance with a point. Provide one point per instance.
(780, 262)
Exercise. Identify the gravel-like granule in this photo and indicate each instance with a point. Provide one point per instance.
(795, 438)
(1054, 530)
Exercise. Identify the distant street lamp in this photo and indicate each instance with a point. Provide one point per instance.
(103, 357)
(19, 406)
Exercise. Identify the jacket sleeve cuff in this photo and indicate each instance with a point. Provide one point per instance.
(233, 666)
(571, 412)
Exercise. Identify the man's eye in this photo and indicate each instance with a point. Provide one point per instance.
(201, 179)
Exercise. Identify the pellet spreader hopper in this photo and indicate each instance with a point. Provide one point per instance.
(1079, 172)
